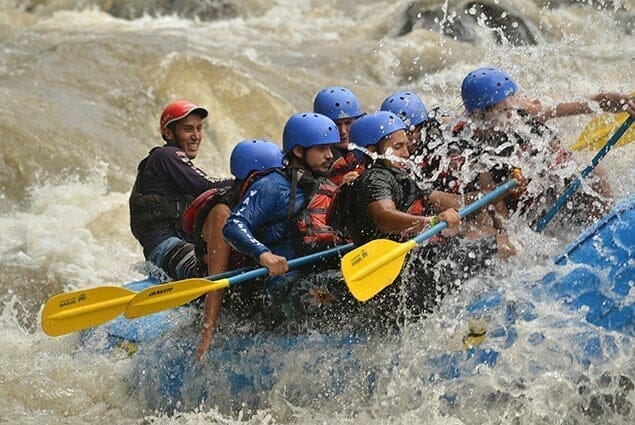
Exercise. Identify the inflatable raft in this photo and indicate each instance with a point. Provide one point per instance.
(592, 280)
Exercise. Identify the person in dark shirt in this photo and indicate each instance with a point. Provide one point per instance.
(384, 202)
(504, 130)
(167, 181)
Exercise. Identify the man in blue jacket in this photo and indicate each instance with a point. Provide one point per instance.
(263, 225)
(167, 181)
(260, 226)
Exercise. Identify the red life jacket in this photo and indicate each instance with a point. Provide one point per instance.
(195, 215)
(417, 207)
(191, 214)
(313, 230)
(345, 163)
(208, 199)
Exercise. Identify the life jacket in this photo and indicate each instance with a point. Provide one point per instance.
(155, 211)
(311, 229)
(517, 143)
(345, 163)
(195, 215)
(197, 211)
(314, 230)
(415, 202)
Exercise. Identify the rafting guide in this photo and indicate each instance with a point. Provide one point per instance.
(167, 181)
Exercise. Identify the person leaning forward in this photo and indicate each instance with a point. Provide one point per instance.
(384, 202)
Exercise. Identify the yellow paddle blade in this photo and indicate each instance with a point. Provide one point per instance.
(599, 129)
(367, 270)
(74, 311)
(169, 295)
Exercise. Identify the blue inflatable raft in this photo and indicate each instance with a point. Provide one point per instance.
(593, 280)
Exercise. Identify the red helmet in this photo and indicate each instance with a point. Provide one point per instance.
(178, 110)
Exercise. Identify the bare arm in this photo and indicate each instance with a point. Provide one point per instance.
(218, 254)
(390, 220)
(608, 102)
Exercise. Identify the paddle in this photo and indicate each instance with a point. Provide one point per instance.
(598, 129)
(85, 308)
(373, 266)
(574, 185)
(174, 294)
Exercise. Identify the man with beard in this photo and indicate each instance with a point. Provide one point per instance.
(267, 223)
(385, 202)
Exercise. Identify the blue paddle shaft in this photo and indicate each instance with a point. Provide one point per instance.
(542, 223)
(464, 212)
(296, 262)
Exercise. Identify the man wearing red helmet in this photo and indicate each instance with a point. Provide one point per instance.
(167, 181)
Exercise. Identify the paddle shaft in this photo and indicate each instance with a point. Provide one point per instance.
(548, 216)
(294, 263)
(464, 212)
(173, 294)
(404, 247)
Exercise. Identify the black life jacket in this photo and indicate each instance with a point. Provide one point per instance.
(415, 201)
(155, 211)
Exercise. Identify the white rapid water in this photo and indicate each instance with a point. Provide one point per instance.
(82, 84)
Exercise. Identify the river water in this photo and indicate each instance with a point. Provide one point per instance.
(82, 84)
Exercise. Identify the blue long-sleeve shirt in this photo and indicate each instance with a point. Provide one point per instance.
(260, 222)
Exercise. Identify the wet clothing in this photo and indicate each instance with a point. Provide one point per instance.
(273, 216)
(431, 272)
(433, 269)
(314, 229)
(196, 215)
(345, 161)
(439, 160)
(378, 183)
(166, 183)
(261, 222)
(530, 146)
(176, 258)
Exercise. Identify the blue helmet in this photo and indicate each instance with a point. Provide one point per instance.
(308, 129)
(337, 103)
(370, 129)
(254, 155)
(407, 106)
(485, 87)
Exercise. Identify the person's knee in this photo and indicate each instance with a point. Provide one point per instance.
(181, 261)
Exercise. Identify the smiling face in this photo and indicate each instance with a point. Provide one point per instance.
(187, 134)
